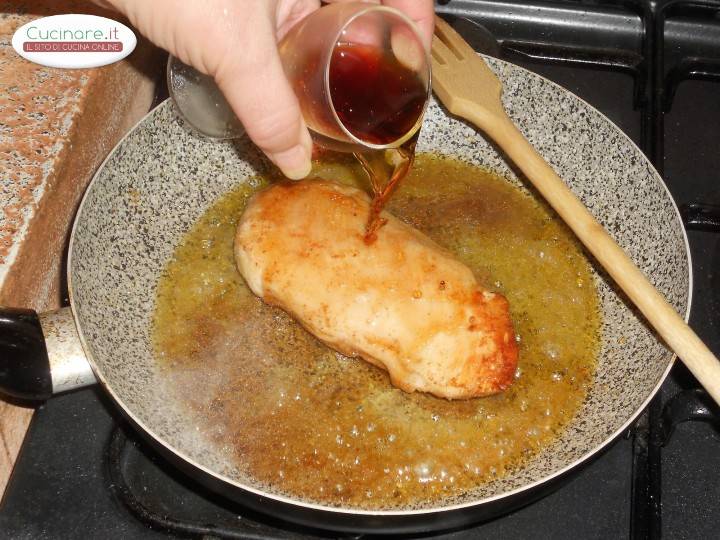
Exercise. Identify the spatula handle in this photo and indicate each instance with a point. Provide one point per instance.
(661, 315)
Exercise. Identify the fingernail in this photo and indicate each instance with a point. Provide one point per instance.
(294, 163)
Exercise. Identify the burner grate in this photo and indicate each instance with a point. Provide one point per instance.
(137, 480)
(646, 39)
(660, 49)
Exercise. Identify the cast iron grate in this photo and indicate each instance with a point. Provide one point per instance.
(657, 71)
(143, 483)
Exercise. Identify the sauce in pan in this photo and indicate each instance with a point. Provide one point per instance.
(305, 421)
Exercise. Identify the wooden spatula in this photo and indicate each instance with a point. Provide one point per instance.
(470, 90)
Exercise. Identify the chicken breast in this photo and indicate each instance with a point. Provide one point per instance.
(402, 303)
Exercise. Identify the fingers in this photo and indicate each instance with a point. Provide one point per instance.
(288, 14)
(420, 11)
(253, 81)
(235, 42)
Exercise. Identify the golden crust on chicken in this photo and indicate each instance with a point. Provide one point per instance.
(402, 303)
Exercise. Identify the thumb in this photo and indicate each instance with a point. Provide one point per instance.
(253, 81)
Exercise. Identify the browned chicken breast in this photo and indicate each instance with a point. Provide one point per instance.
(402, 303)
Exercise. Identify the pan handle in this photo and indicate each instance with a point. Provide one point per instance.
(41, 355)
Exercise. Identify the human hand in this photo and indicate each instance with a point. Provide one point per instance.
(235, 41)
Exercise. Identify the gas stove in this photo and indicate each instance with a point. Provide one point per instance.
(653, 68)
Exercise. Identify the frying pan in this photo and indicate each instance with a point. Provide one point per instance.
(161, 178)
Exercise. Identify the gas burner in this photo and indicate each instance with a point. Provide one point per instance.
(155, 495)
(653, 68)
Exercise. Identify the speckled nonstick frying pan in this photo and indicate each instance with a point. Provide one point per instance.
(161, 178)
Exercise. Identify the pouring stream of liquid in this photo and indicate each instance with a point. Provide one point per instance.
(385, 168)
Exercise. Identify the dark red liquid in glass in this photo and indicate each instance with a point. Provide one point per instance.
(376, 98)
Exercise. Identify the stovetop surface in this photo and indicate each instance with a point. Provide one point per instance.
(61, 489)
(81, 465)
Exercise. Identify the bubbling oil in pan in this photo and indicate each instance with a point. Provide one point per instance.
(307, 422)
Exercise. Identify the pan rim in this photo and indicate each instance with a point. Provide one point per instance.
(358, 511)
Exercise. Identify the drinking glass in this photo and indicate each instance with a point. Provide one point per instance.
(329, 58)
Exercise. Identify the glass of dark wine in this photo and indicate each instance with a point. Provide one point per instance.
(362, 77)
(360, 71)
